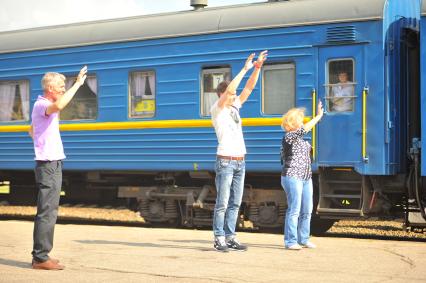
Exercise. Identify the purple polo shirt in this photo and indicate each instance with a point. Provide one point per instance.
(47, 139)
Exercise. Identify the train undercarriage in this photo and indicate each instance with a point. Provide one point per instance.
(182, 199)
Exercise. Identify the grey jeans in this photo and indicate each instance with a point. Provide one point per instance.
(48, 176)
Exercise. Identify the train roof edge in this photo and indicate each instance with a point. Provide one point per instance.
(185, 23)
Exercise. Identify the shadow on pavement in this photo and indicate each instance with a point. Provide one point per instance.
(145, 245)
(208, 244)
(15, 263)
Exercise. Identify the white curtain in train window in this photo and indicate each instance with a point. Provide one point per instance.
(90, 81)
(143, 84)
(14, 101)
(7, 98)
(211, 79)
(209, 99)
(25, 99)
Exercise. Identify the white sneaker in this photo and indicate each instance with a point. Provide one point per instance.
(295, 247)
(235, 245)
(220, 244)
(309, 245)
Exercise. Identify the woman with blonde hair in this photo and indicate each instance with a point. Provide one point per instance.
(296, 177)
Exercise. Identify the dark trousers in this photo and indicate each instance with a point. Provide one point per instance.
(48, 176)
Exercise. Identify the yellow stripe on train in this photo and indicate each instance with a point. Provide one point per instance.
(101, 126)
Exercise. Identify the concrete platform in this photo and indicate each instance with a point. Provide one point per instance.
(133, 254)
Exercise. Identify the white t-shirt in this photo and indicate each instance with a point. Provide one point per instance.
(340, 102)
(228, 127)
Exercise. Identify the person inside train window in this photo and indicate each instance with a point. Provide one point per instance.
(342, 94)
(230, 162)
(296, 177)
(49, 153)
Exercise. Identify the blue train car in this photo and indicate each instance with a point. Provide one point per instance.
(140, 127)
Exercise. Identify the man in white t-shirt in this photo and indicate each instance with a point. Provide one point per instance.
(230, 163)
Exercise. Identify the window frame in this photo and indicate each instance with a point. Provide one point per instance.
(276, 66)
(18, 81)
(90, 75)
(208, 70)
(327, 86)
(129, 94)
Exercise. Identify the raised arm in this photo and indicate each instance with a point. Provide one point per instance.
(309, 125)
(251, 82)
(229, 96)
(63, 101)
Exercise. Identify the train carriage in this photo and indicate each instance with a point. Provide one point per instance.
(140, 127)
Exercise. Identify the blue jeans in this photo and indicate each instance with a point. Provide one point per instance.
(229, 186)
(298, 216)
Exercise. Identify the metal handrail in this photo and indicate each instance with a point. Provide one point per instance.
(314, 102)
(334, 97)
(339, 84)
(364, 124)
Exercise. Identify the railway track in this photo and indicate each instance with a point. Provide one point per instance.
(113, 216)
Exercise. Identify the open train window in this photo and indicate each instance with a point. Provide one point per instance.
(340, 87)
(210, 78)
(84, 105)
(14, 101)
(142, 94)
(279, 88)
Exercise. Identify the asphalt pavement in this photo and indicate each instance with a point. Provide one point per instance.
(133, 254)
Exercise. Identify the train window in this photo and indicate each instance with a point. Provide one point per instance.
(211, 77)
(14, 101)
(279, 88)
(142, 94)
(84, 105)
(340, 86)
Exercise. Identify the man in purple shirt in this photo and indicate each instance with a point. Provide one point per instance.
(49, 153)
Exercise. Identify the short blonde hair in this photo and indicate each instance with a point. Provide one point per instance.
(293, 119)
(50, 78)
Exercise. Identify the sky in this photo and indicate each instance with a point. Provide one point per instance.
(23, 14)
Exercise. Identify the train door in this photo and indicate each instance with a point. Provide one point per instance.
(341, 83)
(408, 96)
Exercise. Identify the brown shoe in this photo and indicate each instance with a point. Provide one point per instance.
(51, 258)
(54, 260)
(47, 265)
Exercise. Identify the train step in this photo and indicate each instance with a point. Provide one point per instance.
(415, 219)
(340, 193)
(340, 196)
(338, 213)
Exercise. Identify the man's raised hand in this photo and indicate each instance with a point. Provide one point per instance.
(82, 76)
(249, 64)
(262, 58)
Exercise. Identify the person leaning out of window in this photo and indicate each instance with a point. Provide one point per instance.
(296, 177)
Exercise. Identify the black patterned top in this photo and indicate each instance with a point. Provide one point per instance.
(295, 155)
